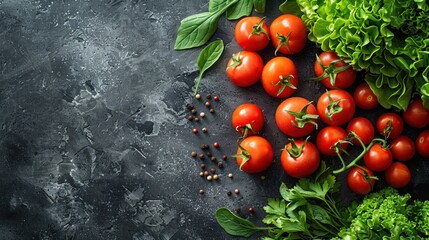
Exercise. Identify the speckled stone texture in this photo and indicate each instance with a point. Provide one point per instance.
(94, 140)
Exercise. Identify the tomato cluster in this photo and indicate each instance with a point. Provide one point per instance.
(384, 146)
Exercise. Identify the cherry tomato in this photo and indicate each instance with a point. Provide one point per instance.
(390, 121)
(336, 107)
(360, 180)
(365, 97)
(255, 154)
(288, 34)
(328, 137)
(248, 119)
(300, 158)
(378, 158)
(252, 33)
(398, 175)
(403, 148)
(336, 73)
(416, 115)
(363, 128)
(296, 117)
(422, 144)
(245, 68)
(279, 77)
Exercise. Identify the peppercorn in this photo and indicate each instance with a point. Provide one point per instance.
(201, 174)
(202, 156)
(237, 191)
(213, 158)
(204, 146)
(189, 106)
(212, 110)
(220, 165)
(212, 170)
(262, 177)
(216, 145)
(204, 130)
(195, 130)
(194, 111)
(216, 98)
(207, 104)
(208, 96)
(197, 119)
(202, 114)
(228, 193)
(190, 117)
(206, 173)
(230, 175)
(251, 210)
(202, 166)
(209, 154)
(201, 191)
(237, 210)
(215, 177)
(194, 154)
(198, 96)
(224, 157)
(209, 178)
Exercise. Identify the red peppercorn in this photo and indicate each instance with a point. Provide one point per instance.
(216, 98)
(216, 145)
(202, 156)
(224, 157)
(251, 209)
(195, 130)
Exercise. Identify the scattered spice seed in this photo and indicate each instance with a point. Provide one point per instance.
(212, 170)
(209, 154)
(230, 175)
(201, 191)
(202, 156)
(262, 177)
(190, 117)
(198, 96)
(201, 174)
(202, 114)
(251, 210)
(207, 104)
(197, 119)
(213, 159)
(216, 145)
(237, 191)
(220, 165)
(212, 110)
(215, 177)
(204, 130)
(194, 154)
(209, 178)
(194, 111)
(224, 157)
(195, 130)
(204, 146)
(228, 193)
(216, 98)
(237, 210)
(206, 173)
(202, 166)
(208, 96)
(189, 106)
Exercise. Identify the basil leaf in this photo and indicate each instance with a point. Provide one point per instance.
(290, 7)
(235, 225)
(208, 56)
(241, 9)
(259, 5)
(196, 30)
(215, 5)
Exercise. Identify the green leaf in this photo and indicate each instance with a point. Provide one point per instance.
(216, 5)
(196, 30)
(241, 9)
(235, 225)
(259, 5)
(208, 56)
(290, 7)
(275, 206)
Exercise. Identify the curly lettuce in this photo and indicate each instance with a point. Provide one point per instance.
(388, 39)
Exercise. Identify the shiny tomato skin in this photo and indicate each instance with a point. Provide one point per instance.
(365, 97)
(248, 113)
(363, 128)
(286, 122)
(276, 69)
(346, 102)
(357, 182)
(303, 165)
(378, 158)
(422, 144)
(289, 24)
(261, 154)
(416, 115)
(248, 71)
(343, 79)
(328, 137)
(398, 175)
(248, 40)
(396, 122)
(403, 148)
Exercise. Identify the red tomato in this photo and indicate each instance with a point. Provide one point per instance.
(378, 158)
(248, 119)
(363, 128)
(336, 73)
(328, 137)
(279, 77)
(390, 120)
(300, 160)
(252, 33)
(336, 107)
(245, 68)
(288, 34)
(365, 97)
(422, 144)
(416, 115)
(360, 180)
(296, 117)
(256, 156)
(403, 148)
(398, 175)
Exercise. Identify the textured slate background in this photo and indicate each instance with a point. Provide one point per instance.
(94, 141)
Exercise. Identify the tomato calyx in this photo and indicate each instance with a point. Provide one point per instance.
(333, 107)
(302, 117)
(245, 129)
(244, 155)
(295, 151)
(258, 29)
(367, 177)
(330, 71)
(236, 61)
(284, 82)
(284, 40)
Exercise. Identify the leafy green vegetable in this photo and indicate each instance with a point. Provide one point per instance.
(241, 9)
(208, 56)
(235, 225)
(215, 5)
(197, 29)
(388, 39)
(259, 5)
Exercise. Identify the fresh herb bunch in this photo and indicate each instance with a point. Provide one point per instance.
(388, 39)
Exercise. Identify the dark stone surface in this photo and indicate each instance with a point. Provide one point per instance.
(94, 141)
